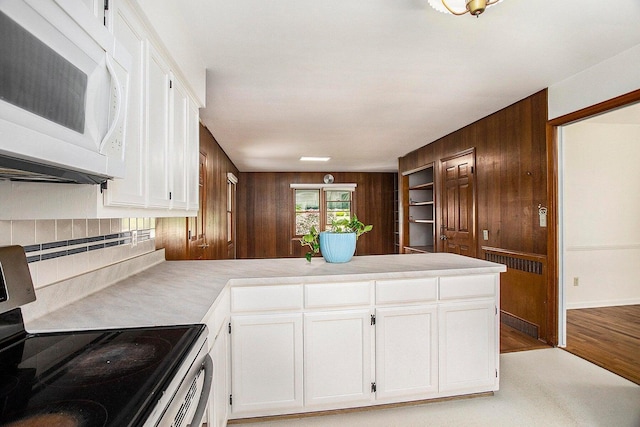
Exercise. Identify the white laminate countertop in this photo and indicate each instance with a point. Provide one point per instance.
(181, 292)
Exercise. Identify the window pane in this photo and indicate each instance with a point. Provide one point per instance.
(307, 200)
(304, 221)
(307, 211)
(338, 195)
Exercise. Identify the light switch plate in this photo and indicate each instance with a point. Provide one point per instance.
(485, 234)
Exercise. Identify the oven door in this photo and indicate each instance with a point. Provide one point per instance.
(185, 400)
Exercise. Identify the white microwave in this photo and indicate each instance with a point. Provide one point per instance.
(63, 94)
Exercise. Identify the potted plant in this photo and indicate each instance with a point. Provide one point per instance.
(338, 244)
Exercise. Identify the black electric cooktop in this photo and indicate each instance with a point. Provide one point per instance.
(86, 378)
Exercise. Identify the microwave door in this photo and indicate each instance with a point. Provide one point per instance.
(61, 91)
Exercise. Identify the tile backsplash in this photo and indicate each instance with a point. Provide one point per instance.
(64, 248)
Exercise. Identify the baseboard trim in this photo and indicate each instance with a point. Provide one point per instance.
(604, 303)
(519, 324)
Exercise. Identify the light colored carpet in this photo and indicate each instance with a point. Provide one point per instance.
(548, 387)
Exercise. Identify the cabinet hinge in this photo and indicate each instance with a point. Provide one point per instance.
(170, 84)
(373, 319)
(231, 399)
(496, 310)
(471, 169)
(496, 373)
(169, 195)
(373, 387)
(229, 327)
(106, 8)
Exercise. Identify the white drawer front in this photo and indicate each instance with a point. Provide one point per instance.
(406, 290)
(266, 298)
(349, 294)
(467, 286)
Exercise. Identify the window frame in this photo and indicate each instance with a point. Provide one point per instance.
(322, 188)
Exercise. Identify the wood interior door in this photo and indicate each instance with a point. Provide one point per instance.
(458, 205)
(197, 226)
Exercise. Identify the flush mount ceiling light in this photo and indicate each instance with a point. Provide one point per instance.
(460, 7)
(314, 159)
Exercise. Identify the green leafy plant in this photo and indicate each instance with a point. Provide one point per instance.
(311, 239)
(344, 225)
(352, 225)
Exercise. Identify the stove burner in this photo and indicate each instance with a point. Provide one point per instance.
(111, 361)
(79, 413)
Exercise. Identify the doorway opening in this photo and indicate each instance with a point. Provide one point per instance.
(598, 234)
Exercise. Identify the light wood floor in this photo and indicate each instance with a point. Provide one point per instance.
(608, 337)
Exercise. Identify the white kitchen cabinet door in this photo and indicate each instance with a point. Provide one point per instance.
(178, 144)
(468, 346)
(220, 393)
(193, 155)
(406, 352)
(266, 360)
(157, 129)
(338, 358)
(130, 190)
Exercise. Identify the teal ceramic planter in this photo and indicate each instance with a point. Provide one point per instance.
(337, 247)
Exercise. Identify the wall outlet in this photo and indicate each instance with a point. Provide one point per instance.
(134, 238)
(576, 281)
(485, 234)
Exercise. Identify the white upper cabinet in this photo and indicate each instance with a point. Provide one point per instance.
(178, 144)
(193, 156)
(131, 191)
(162, 128)
(157, 123)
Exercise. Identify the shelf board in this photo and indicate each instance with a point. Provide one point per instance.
(421, 203)
(425, 186)
(422, 221)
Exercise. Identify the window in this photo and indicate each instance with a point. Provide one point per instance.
(319, 205)
(307, 210)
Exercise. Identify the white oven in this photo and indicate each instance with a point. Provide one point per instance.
(63, 89)
(185, 400)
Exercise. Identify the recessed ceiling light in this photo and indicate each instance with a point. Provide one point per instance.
(314, 159)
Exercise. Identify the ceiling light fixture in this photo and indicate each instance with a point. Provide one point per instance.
(314, 159)
(474, 7)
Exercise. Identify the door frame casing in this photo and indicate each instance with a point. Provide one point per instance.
(555, 288)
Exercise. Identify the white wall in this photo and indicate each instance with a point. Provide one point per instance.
(611, 78)
(601, 214)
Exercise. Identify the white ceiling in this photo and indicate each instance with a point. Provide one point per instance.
(367, 81)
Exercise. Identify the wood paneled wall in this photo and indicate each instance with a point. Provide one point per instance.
(265, 212)
(171, 233)
(511, 181)
(511, 172)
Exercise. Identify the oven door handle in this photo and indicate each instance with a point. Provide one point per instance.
(207, 365)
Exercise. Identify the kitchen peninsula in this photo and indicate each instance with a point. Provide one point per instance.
(298, 337)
